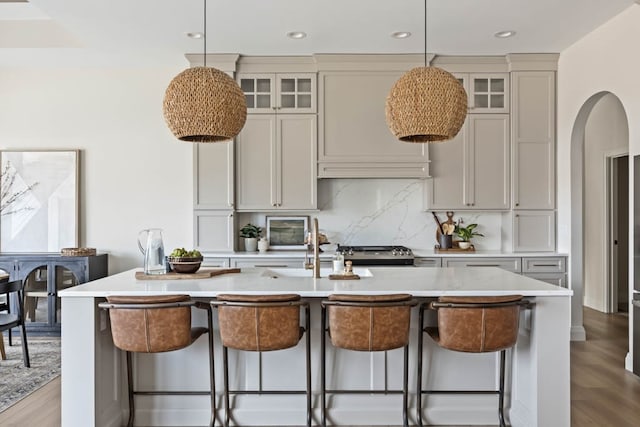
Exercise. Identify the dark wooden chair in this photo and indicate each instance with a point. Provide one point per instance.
(9, 319)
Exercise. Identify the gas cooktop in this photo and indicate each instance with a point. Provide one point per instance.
(377, 255)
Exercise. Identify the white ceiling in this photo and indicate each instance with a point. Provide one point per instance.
(152, 32)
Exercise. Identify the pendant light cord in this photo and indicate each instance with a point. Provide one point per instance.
(425, 33)
(205, 32)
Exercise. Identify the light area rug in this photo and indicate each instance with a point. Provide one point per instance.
(16, 381)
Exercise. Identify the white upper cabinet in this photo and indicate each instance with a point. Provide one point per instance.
(277, 163)
(354, 139)
(471, 171)
(533, 138)
(486, 92)
(279, 93)
(213, 175)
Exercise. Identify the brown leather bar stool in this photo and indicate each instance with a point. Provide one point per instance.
(472, 325)
(367, 323)
(155, 324)
(262, 323)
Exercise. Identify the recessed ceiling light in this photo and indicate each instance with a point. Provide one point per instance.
(296, 34)
(400, 34)
(196, 35)
(505, 34)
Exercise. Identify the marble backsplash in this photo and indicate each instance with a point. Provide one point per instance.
(386, 211)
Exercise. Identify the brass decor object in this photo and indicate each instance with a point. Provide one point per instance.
(204, 104)
(427, 104)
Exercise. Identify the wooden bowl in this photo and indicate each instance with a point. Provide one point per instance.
(185, 264)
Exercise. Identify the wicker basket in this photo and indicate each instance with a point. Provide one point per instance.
(427, 104)
(203, 104)
(78, 251)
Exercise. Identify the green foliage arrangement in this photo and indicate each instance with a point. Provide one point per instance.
(466, 233)
(251, 231)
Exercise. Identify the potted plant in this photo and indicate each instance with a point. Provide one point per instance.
(250, 233)
(466, 234)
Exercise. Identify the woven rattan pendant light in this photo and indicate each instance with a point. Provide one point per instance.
(427, 104)
(203, 104)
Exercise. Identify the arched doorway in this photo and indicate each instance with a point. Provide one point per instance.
(600, 133)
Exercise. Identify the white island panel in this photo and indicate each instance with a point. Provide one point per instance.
(93, 392)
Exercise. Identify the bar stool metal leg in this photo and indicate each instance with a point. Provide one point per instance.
(323, 368)
(501, 391)
(405, 386)
(307, 325)
(132, 408)
(419, 367)
(212, 376)
(225, 362)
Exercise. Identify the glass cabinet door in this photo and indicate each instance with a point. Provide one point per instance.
(296, 93)
(259, 93)
(488, 93)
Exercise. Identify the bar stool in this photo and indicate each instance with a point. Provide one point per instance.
(262, 323)
(472, 325)
(154, 324)
(367, 323)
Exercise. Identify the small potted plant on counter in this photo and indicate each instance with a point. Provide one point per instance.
(466, 234)
(250, 233)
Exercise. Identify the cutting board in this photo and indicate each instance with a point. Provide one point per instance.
(344, 277)
(201, 274)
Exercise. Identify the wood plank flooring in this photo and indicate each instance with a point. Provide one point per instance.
(602, 393)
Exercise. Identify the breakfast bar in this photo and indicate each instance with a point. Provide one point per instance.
(93, 389)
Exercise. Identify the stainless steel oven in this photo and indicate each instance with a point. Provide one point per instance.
(377, 255)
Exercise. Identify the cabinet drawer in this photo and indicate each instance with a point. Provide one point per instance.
(428, 262)
(268, 262)
(209, 262)
(558, 279)
(509, 264)
(544, 265)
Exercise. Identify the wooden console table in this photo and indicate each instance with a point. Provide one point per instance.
(58, 272)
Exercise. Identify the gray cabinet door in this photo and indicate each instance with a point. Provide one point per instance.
(213, 175)
(488, 152)
(213, 230)
(471, 171)
(277, 163)
(533, 136)
(534, 231)
(296, 174)
(256, 156)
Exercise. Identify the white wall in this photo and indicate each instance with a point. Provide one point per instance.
(134, 173)
(603, 61)
(605, 135)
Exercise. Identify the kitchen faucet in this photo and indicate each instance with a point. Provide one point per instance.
(314, 240)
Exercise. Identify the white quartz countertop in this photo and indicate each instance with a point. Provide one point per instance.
(421, 282)
(418, 253)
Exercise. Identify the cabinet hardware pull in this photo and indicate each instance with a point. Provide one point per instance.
(483, 265)
(545, 265)
(517, 204)
(271, 266)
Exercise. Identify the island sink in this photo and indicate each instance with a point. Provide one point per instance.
(276, 273)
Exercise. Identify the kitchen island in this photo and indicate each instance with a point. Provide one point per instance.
(93, 391)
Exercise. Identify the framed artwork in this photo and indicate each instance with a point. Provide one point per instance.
(38, 200)
(287, 232)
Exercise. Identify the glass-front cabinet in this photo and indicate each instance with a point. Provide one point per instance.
(487, 93)
(281, 93)
(44, 275)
